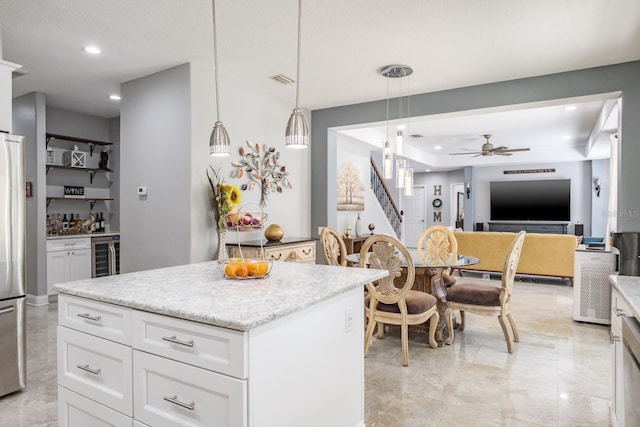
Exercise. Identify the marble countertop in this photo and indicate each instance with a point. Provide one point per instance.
(76, 236)
(199, 292)
(629, 288)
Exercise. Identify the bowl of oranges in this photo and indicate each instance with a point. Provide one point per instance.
(245, 268)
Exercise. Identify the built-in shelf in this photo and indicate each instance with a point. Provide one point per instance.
(92, 200)
(92, 171)
(90, 142)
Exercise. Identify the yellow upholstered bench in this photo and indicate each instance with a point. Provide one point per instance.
(542, 254)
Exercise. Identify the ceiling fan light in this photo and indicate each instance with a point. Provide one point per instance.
(297, 133)
(219, 142)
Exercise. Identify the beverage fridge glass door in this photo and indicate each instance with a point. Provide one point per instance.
(105, 256)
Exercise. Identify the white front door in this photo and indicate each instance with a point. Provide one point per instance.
(414, 220)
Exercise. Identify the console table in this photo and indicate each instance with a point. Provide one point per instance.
(354, 244)
(292, 249)
(545, 227)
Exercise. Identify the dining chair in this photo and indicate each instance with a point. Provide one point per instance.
(391, 303)
(484, 299)
(436, 244)
(333, 247)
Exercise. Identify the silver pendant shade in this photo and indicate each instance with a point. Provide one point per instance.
(297, 133)
(219, 143)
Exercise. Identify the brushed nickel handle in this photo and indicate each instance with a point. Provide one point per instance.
(6, 310)
(89, 317)
(174, 399)
(613, 338)
(88, 369)
(619, 312)
(175, 340)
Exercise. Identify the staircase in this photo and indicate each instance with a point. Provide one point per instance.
(386, 201)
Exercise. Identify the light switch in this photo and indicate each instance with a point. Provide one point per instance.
(142, 191)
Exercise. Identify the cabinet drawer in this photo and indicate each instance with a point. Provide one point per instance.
(168, 394)
(104, 320)
(305, 253)
(210, 347)
(78, 411)
(95, 368)
(619, 307)
(68, 244)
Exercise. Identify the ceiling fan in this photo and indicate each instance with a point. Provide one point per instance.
(489, 150)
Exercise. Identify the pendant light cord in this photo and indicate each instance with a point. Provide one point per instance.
(298, 62)
(215, 60)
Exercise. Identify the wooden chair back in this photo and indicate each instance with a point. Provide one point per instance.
(436, 244)
(333, 247)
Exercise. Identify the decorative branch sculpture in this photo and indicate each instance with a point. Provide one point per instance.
(263, 169)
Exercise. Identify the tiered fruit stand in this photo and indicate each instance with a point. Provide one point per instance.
(246, 220)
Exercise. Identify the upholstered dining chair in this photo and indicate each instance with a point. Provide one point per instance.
(437, 243)
(333, 247)
(388, 302)
(488, 300)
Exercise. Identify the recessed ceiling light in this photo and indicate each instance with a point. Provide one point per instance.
(400, 127)
(114, 97)
(570, 107)
(94, 50)
(281, 78)
(438, 147)
(427, 170)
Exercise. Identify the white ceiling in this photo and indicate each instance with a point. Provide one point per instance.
(344, 45)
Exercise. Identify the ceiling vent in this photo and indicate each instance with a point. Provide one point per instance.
(281, 78)
(416, 135)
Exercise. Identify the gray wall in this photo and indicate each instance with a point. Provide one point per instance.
(155, 152)
(599, 80)
(29, 117)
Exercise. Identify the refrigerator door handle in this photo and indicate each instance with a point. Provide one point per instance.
(8, 309)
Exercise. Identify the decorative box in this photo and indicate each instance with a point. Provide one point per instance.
(74, 158)
(51, 157)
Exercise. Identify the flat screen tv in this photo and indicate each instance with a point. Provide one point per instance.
(542, 200)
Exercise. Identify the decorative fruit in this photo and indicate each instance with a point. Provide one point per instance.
(273, 233)
(230, 270)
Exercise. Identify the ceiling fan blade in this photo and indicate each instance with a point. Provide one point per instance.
(471, 152)
(502, 153)
(513, 150)
(501, 148)
(478, 155)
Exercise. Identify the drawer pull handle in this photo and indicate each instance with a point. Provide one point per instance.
(88, 369)
(174, 399)
(619, 312)
(278, 257)
(89, 317)
(175, 340)
(306, 252)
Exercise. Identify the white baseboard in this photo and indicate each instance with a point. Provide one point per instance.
(37, 300)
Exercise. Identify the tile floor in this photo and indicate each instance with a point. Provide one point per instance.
(558, 375)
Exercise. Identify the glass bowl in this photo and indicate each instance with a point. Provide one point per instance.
(245, 221)
(243, 269)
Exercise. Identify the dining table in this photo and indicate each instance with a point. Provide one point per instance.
(428, 278)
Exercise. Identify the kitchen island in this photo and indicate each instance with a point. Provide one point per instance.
(185, 346)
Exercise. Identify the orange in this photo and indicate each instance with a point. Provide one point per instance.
(253, 268)
(242, 270)
(230, 270)
(261, 268)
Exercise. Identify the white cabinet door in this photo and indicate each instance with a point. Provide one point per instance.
(56, 269)
(80, 264)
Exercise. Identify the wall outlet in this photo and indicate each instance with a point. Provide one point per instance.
(142, 191)
(348, 319)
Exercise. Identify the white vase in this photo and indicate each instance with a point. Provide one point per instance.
(359, 229)
(222, 253)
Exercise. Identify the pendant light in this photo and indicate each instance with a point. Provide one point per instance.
(394, 72)
(219, 143)
(401, 165)
(408, 182)
(297, 132)
(387, 152)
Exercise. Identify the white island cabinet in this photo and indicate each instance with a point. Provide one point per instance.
(625, 301)
(183, 346)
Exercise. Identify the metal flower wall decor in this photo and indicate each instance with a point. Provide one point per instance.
(263, 169)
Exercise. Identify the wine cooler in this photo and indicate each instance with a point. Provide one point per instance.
(105, 256)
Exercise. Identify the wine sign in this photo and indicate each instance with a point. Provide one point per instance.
(72, 191)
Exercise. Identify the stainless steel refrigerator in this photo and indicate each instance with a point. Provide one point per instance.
(628, 244)
(13, 374)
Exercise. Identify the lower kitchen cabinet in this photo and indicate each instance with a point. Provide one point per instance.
(619, 307)
(68, 260)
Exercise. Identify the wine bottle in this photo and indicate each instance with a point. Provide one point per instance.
(72, 221)
(65, 222)
(48, 225)
(103, 225)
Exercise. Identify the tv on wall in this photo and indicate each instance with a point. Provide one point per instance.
(542, 200)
